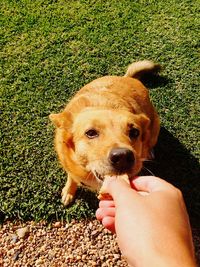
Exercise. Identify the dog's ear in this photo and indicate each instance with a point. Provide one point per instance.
(61, 120)
(145, 124)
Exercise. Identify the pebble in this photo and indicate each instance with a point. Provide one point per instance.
(16, 255)
(94, 233)
(22, 232)
(14, 238)
(116, 256)
(83, 257)
(84, 243)
(57, 224)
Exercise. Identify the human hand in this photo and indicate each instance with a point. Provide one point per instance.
(150, 220)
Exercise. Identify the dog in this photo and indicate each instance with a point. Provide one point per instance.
(108, 128)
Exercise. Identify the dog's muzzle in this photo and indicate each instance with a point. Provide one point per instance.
(121, 159)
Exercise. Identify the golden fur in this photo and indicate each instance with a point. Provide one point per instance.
(101, 117)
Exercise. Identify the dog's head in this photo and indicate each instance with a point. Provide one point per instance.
(105, 142)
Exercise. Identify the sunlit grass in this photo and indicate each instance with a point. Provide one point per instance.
(52, 48)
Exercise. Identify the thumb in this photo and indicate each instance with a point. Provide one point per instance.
(118, 189)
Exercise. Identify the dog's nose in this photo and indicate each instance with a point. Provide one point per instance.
(122, 159)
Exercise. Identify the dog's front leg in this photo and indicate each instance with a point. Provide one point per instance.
(69, 191)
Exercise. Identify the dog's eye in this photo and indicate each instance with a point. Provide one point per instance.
(92, 133)
(134, 133)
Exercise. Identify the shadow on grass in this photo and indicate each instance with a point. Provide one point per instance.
(152, 81)
(175, 164)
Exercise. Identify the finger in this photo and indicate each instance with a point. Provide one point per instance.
(118, 187)
(106, 203)
(109, 223)
(104, 212)
(150, 184)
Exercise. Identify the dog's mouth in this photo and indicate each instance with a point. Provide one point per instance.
(120, 161)
(101, 177)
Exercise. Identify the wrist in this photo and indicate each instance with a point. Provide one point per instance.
(172, 262)
(158, 260)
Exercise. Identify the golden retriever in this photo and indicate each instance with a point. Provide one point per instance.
(108, 128)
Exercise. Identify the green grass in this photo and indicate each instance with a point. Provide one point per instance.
(49, 49)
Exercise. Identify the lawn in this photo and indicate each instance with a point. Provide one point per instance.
(50, 49)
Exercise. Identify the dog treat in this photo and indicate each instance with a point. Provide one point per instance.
(103, 195)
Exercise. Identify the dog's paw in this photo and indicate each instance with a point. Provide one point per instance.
(67, 198)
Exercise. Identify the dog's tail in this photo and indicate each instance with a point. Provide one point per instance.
(140, 68)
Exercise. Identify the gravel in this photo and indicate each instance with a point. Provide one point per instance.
(84, 243)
